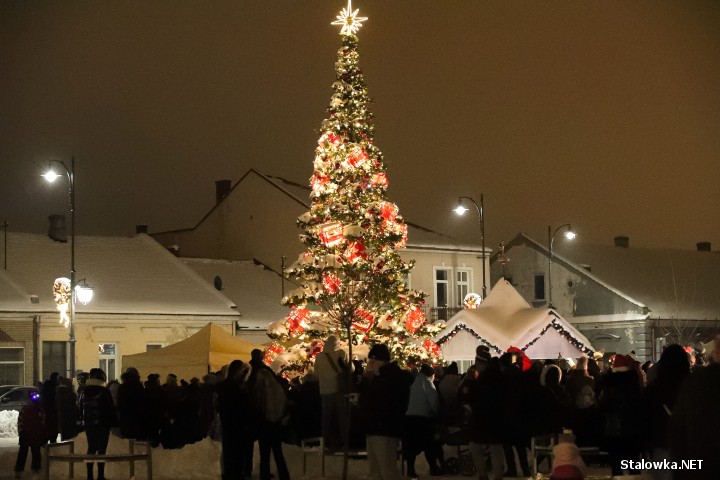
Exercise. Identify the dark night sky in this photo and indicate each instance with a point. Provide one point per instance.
(602, 114)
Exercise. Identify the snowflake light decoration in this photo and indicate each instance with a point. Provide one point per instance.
(349, 20)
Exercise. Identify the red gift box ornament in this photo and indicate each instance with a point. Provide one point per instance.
(355, 252)
(414, 319)
(379, 180)
(272, 352)
(388, 211)
(296, 320)
(432, 347)
(331, 283)
(364, 320)
(334, 139)
(314, 349)
(318, 181)
(331, 233)
(356, 157)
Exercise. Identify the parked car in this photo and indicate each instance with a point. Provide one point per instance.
(13, 397)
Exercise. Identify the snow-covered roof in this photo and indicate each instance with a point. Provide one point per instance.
(130, 275)
(255, 289)
(671, 283)
(504, 319)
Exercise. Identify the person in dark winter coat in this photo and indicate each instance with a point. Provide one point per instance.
(488, 422)
(98, 416)
(33, 434)
(231, 402)
(132, 406)
(517, 429)
(695, 421)
(306, 409)
(268, 407)
(583, 402)
(47, 397)
(620, 406)
(154, 408)
(658, 402)
(383, 400)
(66, 403)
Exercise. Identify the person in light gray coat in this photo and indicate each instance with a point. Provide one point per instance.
(423, 408)
(331, 368)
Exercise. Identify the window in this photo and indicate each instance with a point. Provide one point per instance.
(442, 287)
(108, 359)
(54, 358)
(12, 366)
(153, 346)
(462, 285)
(540, 287)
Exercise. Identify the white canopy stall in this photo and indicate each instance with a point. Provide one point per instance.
(503, 320)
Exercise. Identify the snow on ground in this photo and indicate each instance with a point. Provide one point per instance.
(201, 461)
(8, 423)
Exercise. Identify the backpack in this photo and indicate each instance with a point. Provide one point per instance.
(270, 396)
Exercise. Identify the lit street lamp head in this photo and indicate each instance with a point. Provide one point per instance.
(570, 234)
(460, 210)
(50, 175)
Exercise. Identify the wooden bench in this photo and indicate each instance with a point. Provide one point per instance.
(71, 457)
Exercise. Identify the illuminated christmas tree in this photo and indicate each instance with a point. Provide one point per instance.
(353, 281)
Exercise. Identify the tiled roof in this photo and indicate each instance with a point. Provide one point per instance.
(130, 275)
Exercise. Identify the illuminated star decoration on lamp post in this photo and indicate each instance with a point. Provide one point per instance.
(570, 234)
(349, 20)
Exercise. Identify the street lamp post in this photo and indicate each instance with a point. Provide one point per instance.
(51, 176)
(569, 234)
(460, 210)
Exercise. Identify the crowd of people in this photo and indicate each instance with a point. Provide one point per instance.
(667, 410)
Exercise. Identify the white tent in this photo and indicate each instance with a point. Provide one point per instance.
(503, 320)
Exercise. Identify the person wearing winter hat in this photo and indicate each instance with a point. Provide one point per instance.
(383, 401)
(482, 357)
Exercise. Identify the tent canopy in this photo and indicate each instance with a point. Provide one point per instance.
(504, 319)
(207, 351)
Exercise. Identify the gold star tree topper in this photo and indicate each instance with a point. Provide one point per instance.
(349, 20)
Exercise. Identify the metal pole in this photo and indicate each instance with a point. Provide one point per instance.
(550, 305)
(282, 276)
(5, 226)
(482, 238)
(71, 176)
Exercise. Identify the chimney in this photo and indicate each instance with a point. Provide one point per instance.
(57, 228)
(704, 246)
(142, 228)
(622, 241)
(222, 188)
